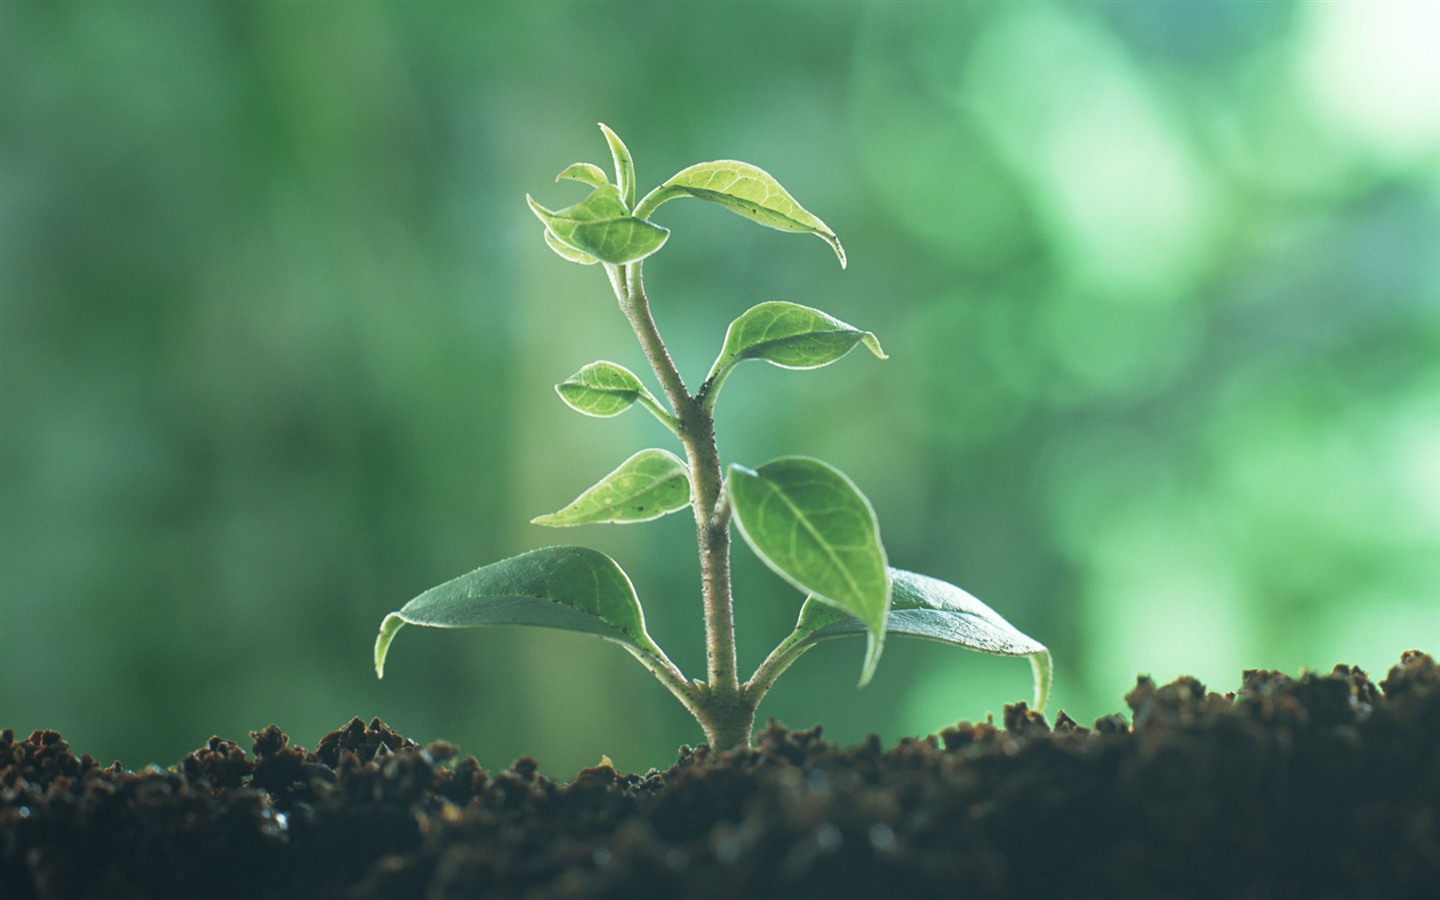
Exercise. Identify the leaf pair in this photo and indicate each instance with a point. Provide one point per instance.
(783, 334)
(609, 227)
(814, 528)
(581, 590)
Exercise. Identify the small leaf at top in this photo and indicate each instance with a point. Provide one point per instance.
(810, 524)
(787, 335)
(624, 166)
(927, 607)
(601, 226)
(602, 389)
(648, 485)
(586, 173)
(569, 588)
(747, 190)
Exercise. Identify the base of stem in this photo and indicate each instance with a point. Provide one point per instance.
(727, 721)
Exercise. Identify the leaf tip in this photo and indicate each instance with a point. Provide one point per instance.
(736, 468)
(388, 627)
(612, 138)
(1044, 670)
(872, 343)
(873, 646)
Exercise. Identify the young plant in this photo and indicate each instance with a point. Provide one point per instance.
(804, 518)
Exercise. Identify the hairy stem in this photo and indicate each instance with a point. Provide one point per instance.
(725, 712)
(630, 290)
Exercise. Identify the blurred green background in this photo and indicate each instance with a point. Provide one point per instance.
(1159, 282)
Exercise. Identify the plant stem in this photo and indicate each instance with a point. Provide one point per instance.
(725, 712)
(774, 665)
(630, 290)
(668, 675)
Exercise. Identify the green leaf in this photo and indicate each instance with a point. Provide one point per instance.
(624, 166)
(925, 607)
(604, 389)
(586, 173)
(810, 524)
(569, 588)
(648, 485)
(601, 226)
(573, 254)
(787, 335)
(744, 189)
(601, 389)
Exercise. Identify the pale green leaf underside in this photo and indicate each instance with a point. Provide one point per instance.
(790, 336)
(573, 254)
(925, 607)
(810, 524)
(601, 226)
(567, 588)
(749, 191)
(602, 389)
(648, 485)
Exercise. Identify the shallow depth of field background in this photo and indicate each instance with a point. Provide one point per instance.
(1159, 282)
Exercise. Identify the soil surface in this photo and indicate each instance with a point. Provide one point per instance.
(1323, 786)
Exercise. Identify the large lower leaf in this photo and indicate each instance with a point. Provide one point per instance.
(648, 485)
(787, 335)
(927, 607)
(810, 524)
(569, 588)
(601, 226)
(744, 189)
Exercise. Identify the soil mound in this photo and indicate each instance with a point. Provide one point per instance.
(1322, 786)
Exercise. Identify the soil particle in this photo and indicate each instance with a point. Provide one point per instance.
(1321, 786)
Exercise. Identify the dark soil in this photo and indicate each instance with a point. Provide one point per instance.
(1325, 786)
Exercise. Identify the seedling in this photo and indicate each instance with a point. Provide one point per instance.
(804, 518)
